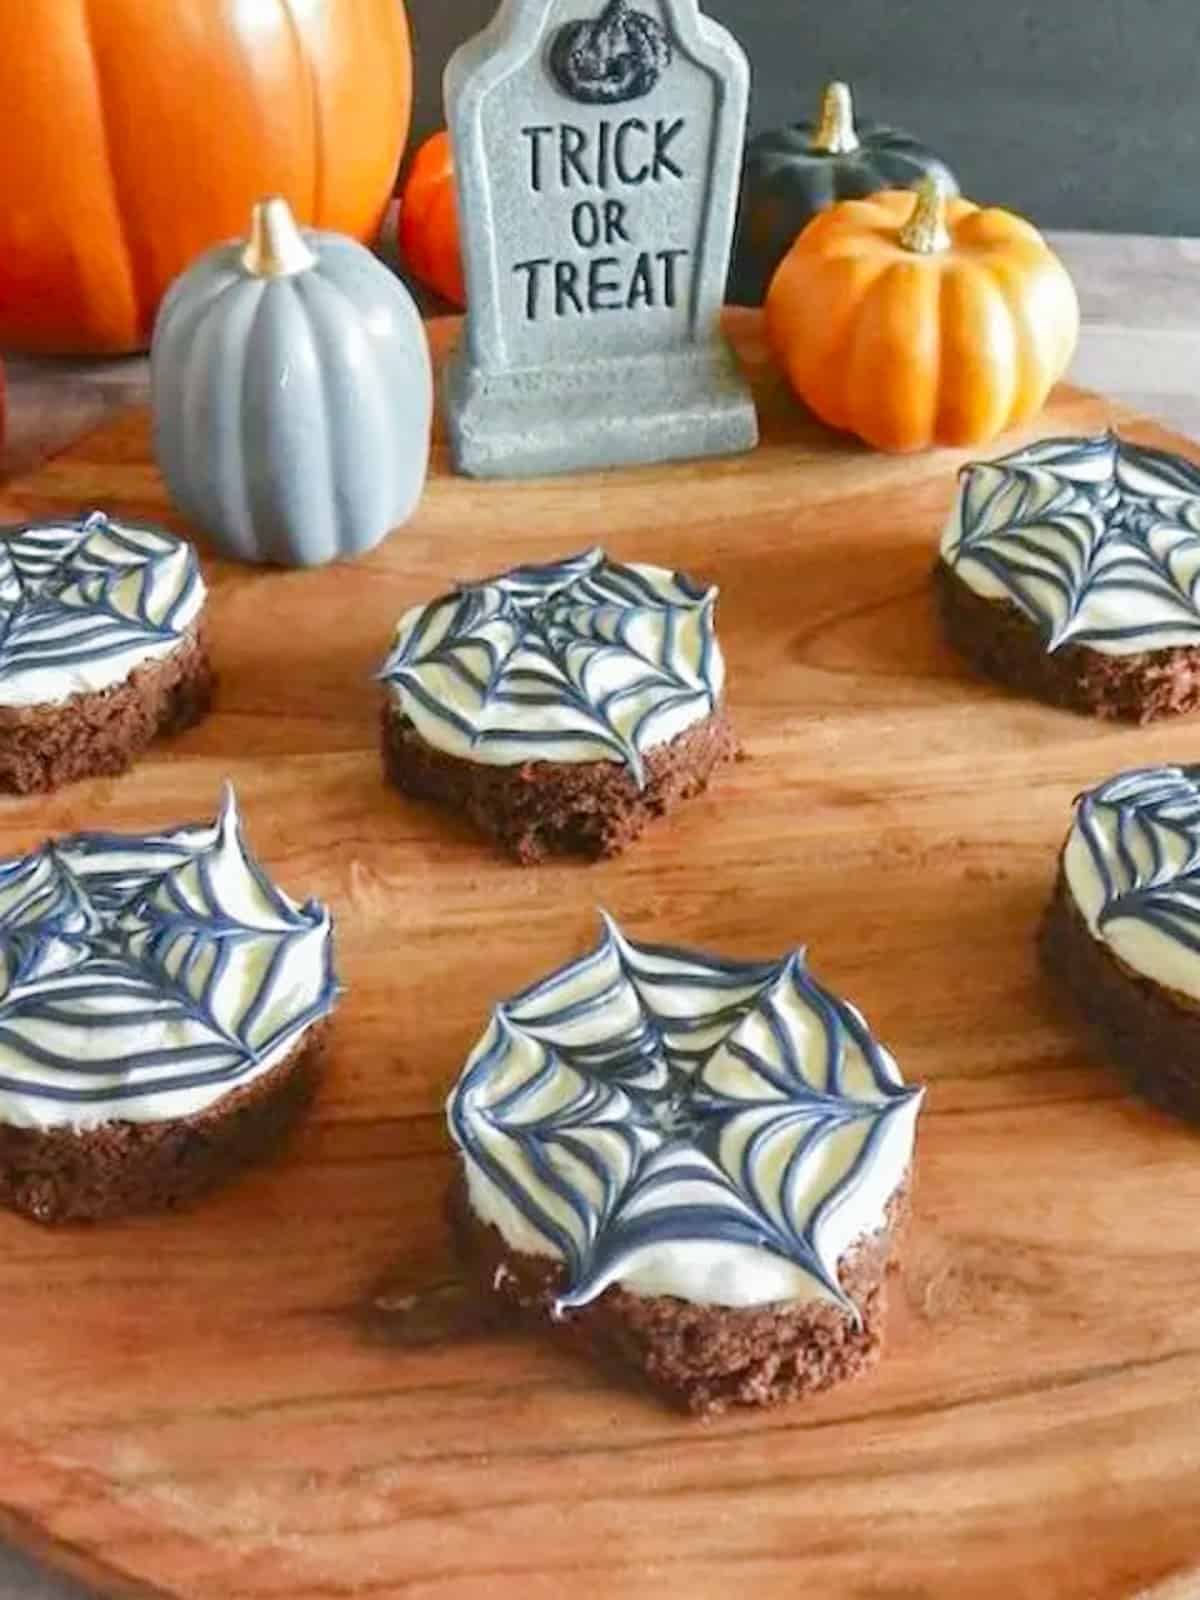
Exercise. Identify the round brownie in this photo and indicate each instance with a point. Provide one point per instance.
(1122, 932)
(102, 647)
(697, 1169)
(559, 707)
(163, 1013)
(1069, 571)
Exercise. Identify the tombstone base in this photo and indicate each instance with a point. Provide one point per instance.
(673, 406)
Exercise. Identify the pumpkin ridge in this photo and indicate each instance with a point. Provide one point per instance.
(139, 299)
(999, 378)
(832, 353)
(301, 289)
(196, 348)
(909, 373)
(171, 312)
(831, 237)
(994, 228)
(310, 289)
(959, 213)
(846, 362)
(938, 318)
(875, 212)
(241, 431)
(1029, 385)
(1036, 358)
(307, 71)
(402, 89)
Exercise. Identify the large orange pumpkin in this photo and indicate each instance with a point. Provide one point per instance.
(920, 320)
(427, 226)
(139, 132)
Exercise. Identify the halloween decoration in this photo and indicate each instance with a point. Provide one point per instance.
(914, 320)
(793, 173)
(292, 395)
(619, 57)
(427, 226)
(596, 237)
(140, 132)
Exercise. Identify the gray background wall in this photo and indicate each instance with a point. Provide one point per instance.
(1080, 113)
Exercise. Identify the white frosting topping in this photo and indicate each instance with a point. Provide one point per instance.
(82, 604)
(1132, 866)
(145, 977)
(1096, 541)
(578, 660)
(718, 1131)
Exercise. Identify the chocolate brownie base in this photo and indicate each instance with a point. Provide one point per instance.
(121, 1168)
(1150, 1033)
(543, 808)
(999, 641)
(702, 1359)
(90, 735)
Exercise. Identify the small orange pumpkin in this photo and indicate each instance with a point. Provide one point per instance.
(914, 321)
(428, 221)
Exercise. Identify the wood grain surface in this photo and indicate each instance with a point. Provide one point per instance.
(283, 1395)
(1140, 342)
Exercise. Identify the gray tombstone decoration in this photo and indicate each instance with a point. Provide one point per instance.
(598, 152)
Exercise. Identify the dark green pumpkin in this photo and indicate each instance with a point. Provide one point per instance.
(793, 173)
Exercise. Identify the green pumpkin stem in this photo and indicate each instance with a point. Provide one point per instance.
(276, 247)
(835, 134)
(925, 233)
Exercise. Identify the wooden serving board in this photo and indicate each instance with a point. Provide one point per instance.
(283, 1395)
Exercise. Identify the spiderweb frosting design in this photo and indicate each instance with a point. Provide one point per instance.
(144, 977)
(82, 604)
(721, 1131)
(1132, 864)
(578, 660)
(1095, 540)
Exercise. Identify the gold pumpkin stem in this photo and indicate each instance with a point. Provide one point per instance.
(925, 233)
(275, 248)
(835, 135)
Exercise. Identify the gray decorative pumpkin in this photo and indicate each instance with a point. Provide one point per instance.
(292, 394)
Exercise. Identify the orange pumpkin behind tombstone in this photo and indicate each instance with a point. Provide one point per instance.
(427, 227)
(141, 132)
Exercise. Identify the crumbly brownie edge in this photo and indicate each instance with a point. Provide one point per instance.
(1000, 642)
(545, 808)
(1150, 1033)
(100, 734)
(121, 1168)
(700, 1359)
